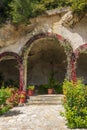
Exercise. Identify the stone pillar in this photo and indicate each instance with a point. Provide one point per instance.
(24, 74)
(73, 68)
(21, 84)
(68, 74)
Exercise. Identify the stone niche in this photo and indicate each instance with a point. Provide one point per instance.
(81, 67)
(9, 72)
(46, 56)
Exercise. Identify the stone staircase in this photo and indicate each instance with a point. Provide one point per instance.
(53, 99)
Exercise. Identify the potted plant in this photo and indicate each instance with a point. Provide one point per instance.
(51, 84)
(31, 90)
(22, 98)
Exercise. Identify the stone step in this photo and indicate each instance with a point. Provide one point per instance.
(45, 100)
(46, 97)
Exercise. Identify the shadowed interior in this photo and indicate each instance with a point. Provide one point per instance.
(81, 67)
(9, 72)
(45, 57)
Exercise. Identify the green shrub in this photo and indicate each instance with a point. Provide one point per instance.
(42, 89)
(9, 97)
(75, 102)
(58, 88)
(78, 6)
(31, 87)
(4, 94)
(4, 109)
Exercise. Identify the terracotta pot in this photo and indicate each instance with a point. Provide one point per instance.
(50, 91)
(22, 100)
(30, 92)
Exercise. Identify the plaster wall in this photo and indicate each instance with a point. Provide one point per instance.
(77, 35)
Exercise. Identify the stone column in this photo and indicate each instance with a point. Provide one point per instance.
(21, 84)
(24, 73)
(68, 74)
(73, 68)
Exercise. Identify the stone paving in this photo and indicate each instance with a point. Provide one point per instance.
(34, 117)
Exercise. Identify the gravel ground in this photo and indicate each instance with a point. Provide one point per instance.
(34, 117)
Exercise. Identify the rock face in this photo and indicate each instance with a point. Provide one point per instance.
(64, 25)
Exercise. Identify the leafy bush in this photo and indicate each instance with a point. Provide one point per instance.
(9, 98)
(78, 5)
(75, 102)
(21, 10)
(13, 100)
(4, 109)
(4, 10)
(58, 88)
(4, 94)
(31, 87)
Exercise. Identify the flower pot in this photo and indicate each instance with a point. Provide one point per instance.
(50, 91)
(30, 92)
(22, 100)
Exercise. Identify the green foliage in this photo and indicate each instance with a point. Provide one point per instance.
(22, 95)
(13, 100)
(4, 10)
(4, 109)
(8, 98)
(21, 10)
(4, 94)
(78, 5)
(75, 102)
(58, 88)
(42, 89)
(31, 87)
(52, 83)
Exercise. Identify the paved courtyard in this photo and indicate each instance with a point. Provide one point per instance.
(34, 117)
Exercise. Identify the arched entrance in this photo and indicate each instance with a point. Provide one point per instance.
(11, 69)
(44, 53)
(46, 57)
(81, 63)
(9, 72)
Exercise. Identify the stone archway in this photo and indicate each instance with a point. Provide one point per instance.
(81, 62)
(63, 44)
(46, 56)
(10, 59)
